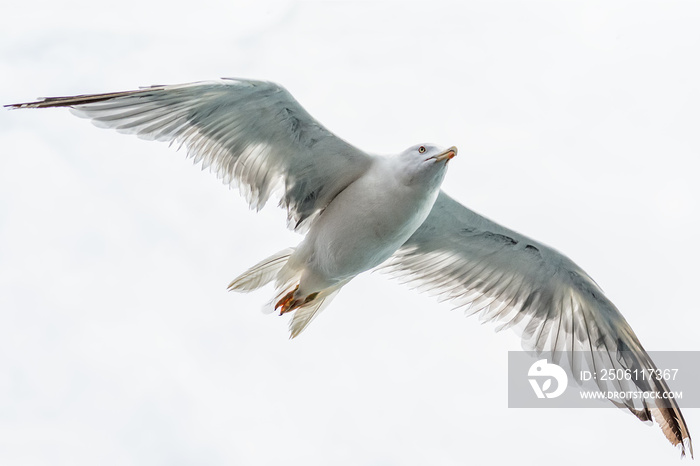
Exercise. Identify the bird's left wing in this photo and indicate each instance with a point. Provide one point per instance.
(253, 134)
(554, 305)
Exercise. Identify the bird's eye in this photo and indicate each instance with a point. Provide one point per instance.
(421, 149)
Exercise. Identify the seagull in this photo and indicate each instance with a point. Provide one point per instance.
(360, 211)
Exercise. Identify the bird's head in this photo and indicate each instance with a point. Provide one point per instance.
(425, 164)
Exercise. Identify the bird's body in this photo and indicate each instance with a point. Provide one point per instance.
(361, 211)
(364, 225)
(359, 229)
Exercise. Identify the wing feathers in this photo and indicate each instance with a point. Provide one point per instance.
(556, 308)
(253, 134)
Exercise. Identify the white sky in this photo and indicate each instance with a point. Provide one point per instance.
(577, 124)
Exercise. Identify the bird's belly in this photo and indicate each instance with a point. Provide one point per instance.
(357, 233)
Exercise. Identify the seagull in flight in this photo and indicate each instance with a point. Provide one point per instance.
(360, 211)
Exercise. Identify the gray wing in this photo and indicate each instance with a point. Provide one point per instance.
(253, 134)
(555, 306)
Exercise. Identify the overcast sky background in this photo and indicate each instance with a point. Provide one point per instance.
(576, 122)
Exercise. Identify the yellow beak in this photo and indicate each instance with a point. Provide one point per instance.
(447, 155)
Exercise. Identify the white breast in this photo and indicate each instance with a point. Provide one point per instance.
(366, 223)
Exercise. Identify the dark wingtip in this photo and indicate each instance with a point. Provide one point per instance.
(15, 106)
(44, 102)
(70, 101)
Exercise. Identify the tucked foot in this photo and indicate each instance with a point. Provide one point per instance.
(289, 302)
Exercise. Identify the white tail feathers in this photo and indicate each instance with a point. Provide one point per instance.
(304, 314)
(305, 308)
(286, 276)
(261, 273)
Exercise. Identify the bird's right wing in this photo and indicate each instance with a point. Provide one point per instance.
(554, 305)
(253, 134)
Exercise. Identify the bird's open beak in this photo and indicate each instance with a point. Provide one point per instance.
(447, 155)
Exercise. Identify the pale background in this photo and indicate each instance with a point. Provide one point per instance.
(577, 124)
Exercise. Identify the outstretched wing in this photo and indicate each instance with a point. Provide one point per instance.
(253, 134)
(554, 305)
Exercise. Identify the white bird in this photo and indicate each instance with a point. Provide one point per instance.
(360, 211)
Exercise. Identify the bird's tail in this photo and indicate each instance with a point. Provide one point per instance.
(261, 273)
(305, 308)
(287, 276)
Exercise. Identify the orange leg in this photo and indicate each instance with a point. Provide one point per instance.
(287, 302)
